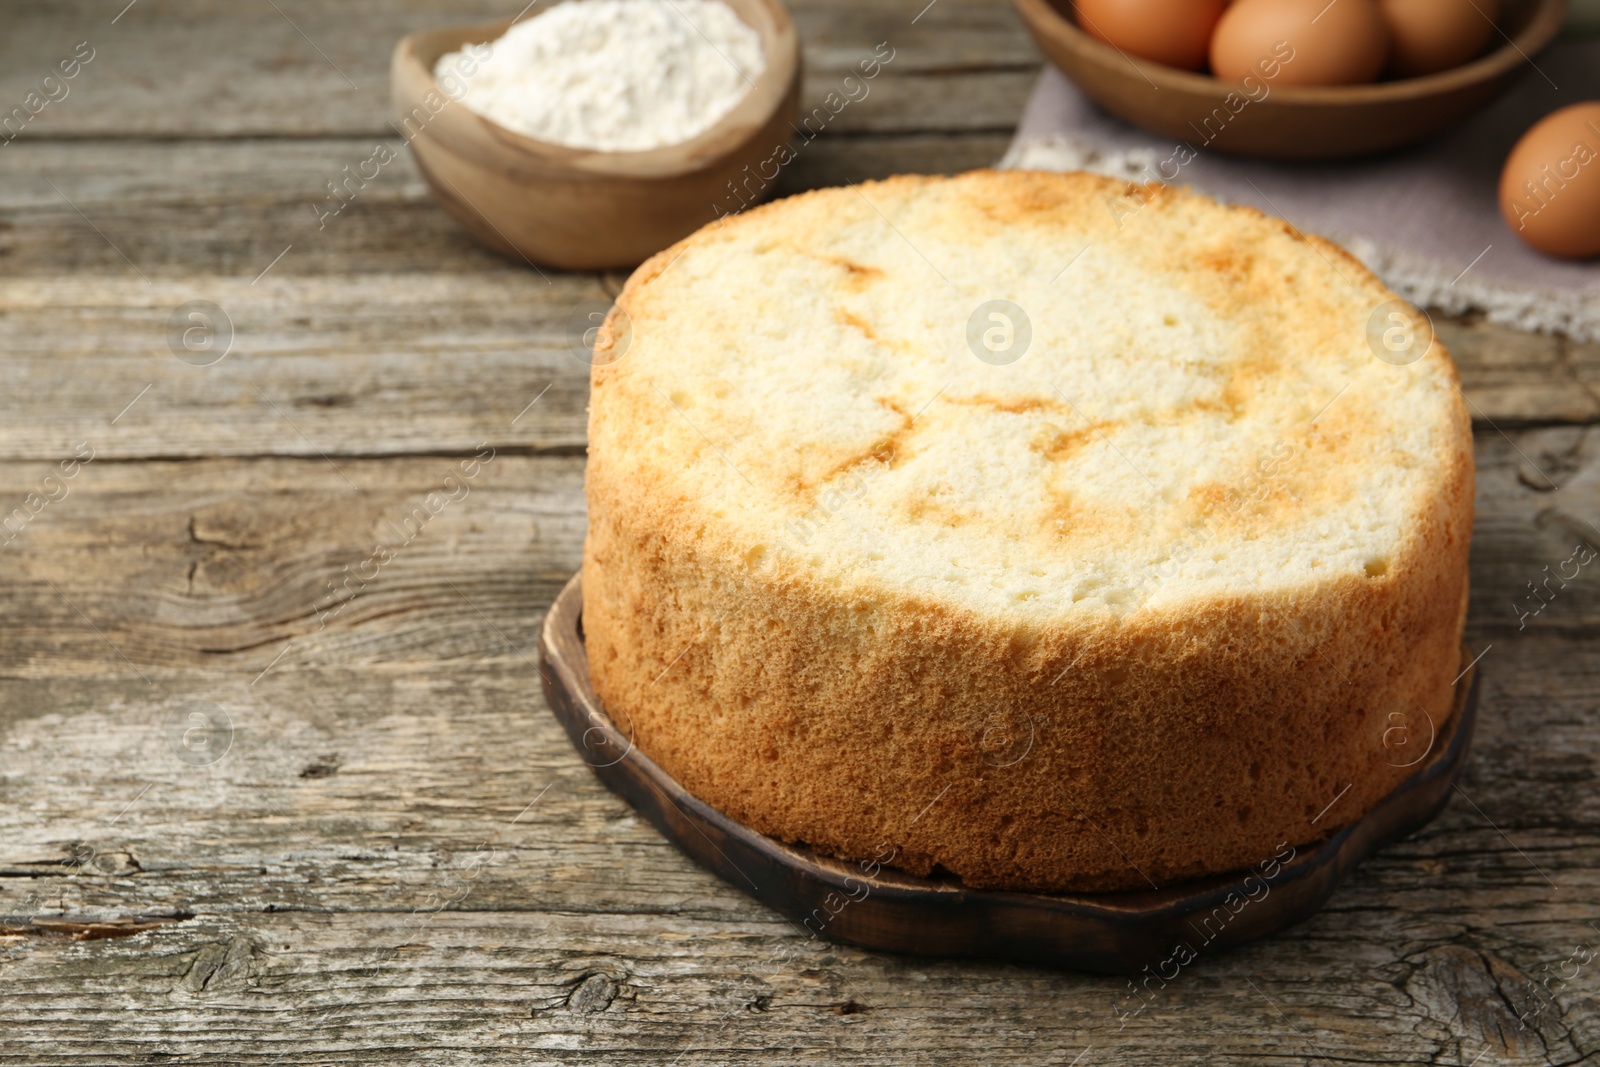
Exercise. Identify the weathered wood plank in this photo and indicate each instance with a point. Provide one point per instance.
(133, 211)
(394, 831)
(234, 563)
(193, 68)
(460, 353)
(565, 988)
(239, 563)
(114, 210)
(371, 365)
(1517, 378)
(416, 302)
(374, 868)
(1526, 524)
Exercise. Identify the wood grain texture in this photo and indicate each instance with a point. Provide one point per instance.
(368, 838)
(200, 564)
(398, 855)
(219, 68)
(371, 812)
(413, 298)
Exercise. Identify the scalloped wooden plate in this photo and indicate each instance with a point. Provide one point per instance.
(1113, 933)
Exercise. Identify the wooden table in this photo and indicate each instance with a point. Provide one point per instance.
(239, 826)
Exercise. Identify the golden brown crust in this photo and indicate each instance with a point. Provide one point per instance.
(1109, 751)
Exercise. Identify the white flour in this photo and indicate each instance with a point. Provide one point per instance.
(615, 75)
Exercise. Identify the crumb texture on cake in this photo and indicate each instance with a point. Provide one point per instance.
(1136, 606)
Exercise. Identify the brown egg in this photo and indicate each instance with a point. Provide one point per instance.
(1432, 35)
(1300, 42)
(1174, 32)
(1550, 187)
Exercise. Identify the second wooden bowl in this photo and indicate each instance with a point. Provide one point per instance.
(1289, 122)
(583, 209)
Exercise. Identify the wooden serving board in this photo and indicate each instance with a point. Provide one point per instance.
(869, 904)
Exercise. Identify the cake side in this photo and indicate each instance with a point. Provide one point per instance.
(1151, 725)
(1159, 750)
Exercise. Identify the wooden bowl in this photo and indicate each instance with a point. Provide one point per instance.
(872, 904)
(583, 209)
(1289, 122)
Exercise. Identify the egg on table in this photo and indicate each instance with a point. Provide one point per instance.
(1174, 32)
(1550, 187)
(1314, 42)
(1428, 36)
